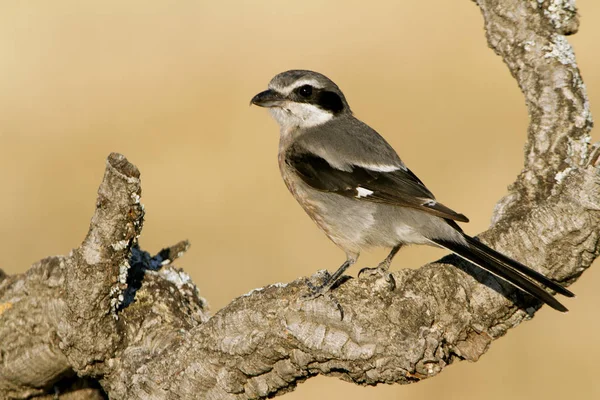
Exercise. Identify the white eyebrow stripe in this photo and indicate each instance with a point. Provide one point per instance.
(301, 82)
(381, 167)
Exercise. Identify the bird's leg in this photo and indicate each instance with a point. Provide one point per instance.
(382, 268)
(385, 264)
(331, 280)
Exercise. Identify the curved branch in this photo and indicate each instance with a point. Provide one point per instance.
(112, 312)
(529, 37)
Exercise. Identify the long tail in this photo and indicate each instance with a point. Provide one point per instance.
(508, 269)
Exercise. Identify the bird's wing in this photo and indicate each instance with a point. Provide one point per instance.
(389, 184)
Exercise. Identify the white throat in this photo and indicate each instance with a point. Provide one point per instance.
(299, 115)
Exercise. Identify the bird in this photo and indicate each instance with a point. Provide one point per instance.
(359, 192)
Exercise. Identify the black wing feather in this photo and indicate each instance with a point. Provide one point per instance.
(400, 187)
(317, 172)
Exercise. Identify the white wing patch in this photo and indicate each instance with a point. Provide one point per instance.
(362, 192)
(430, 203)
(381, 167)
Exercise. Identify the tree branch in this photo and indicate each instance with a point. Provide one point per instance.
(110, 312)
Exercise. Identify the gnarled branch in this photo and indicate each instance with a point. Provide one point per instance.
(109, 312)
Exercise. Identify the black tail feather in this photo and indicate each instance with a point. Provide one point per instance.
(523, 269)
(508, 269)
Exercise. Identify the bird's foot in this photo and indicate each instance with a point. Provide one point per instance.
(315, 291)
(323, 290)
(380, 274)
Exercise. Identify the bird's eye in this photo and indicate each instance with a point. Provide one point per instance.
(305, 91)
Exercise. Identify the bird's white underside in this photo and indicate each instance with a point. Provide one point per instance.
(407, 234)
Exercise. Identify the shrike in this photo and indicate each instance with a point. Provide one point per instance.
(354, 186)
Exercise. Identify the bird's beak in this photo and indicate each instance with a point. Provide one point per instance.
(268, 98)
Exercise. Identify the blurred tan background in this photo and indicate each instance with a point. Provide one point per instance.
(168, 85)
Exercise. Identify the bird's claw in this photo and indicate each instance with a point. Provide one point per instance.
(317, 291)
(379, 273)
(313, 291)
(323, 290)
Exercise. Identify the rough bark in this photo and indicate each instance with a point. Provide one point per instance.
(110, 319)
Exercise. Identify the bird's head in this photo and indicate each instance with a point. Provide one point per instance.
(302, 99)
